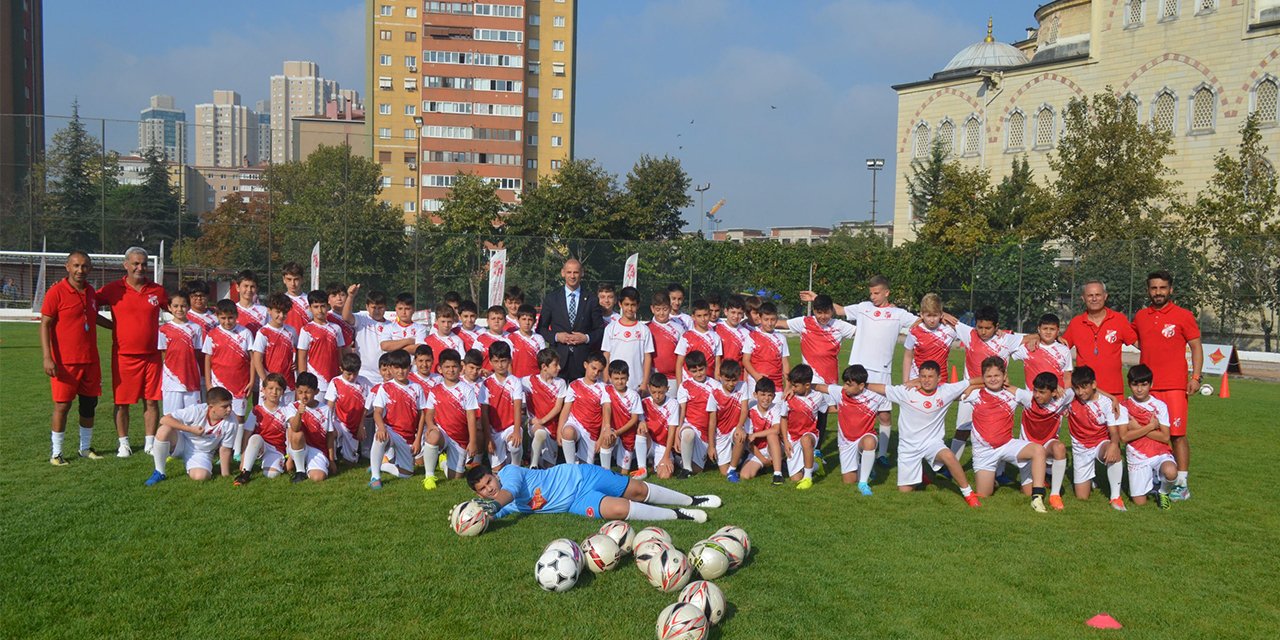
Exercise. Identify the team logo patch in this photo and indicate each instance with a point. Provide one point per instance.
(928, 404)
(1177, 422)
(153, 300)
(1168, 330)
(877, 314)
(626, 334)
(1112, 336)
(537, 501)
(591, 512)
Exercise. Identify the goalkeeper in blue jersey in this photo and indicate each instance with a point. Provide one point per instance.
(584, 489)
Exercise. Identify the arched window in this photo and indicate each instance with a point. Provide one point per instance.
(1133, 12)
(921, 141)
(972, 136)
(1053, 30)
(1168, 10)
(1202, 110)
(947, 136)
(1015, 131)
(1131, 106)
(1206, 6)
(1044, 128)
(1264, 101)
(1164, 111)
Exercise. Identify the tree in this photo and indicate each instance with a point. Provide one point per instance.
(657, 189)
(470, 216)
(579, 201)
(79, 176)
(149, 213)
(957, 217)
(1018, 206)
(925, 181)
(231, 237)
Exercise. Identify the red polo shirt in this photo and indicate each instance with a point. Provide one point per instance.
(1163, 335)
(1098, 346)
(75, 323)
(136, 314)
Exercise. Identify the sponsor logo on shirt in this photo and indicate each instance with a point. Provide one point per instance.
(537, 501)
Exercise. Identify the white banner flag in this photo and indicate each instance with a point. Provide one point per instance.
(315, 267)
(629, 271)
(497, 276)
(158, 272)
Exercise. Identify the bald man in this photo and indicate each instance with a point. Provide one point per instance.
(571, 323)
(136, 363)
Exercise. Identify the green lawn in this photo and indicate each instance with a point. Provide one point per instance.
(88, 551)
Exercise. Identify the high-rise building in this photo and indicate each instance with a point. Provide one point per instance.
(21, 92)
(162, 127)
(480, 88)
(298, 91)
(226, 132)
(263, 109)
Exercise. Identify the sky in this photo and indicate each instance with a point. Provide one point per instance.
(775, 104)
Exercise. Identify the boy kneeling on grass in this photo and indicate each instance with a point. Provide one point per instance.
(193, 434)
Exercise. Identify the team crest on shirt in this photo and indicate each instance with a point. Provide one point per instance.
(1177, 422)
(1112, 336)
(537, 501)
(1168, 330)
(928, 404)
(153, 300)
(626, 334)
(877, 314)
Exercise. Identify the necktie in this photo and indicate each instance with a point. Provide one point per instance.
(573, 308)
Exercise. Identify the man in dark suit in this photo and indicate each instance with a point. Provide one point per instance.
(571, 322)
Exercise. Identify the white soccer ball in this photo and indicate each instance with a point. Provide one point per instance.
(740, 534)
(682, 621)
(709, 559)
(670, 571)
(622, 533)
(1206, 389)
(468, 518)
(556, 571)
(651, 533)
(601, 553)
(568, 547)
(647, 552)
(707, 597)
(732, 548)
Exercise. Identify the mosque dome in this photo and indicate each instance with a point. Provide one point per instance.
(987, 54)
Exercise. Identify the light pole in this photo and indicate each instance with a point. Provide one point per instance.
(874, 165)
(702, 209)
(417, 174)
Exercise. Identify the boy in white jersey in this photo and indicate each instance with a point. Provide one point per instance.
(526, 344)
(765, 353)
(398, 419)
(512, 300)
(421, 373)
(200, 312)
(369, 328)
(922, 413)
(856, 409)
(249, 314)
(626, 415)
(666, 335)
(194, 434)
(274, 349)
(629, 340)
(585, 430)
(1094, 420)
(467, 328)
(226, 362)
(472, 373)
(675, 297)
(1043, 406)
(734, 334)
(1047, 355)
(347, 397)
(320, 343)
(495, 321)
(765, 424)
(1147, 436)
(806, 408)
(697, 417)
(451, 423)
(545, 394)
(993, 406)
(442, 337)
(269, 428)
(505, 396)
(311, 437)
(403, 333)
(179, 343)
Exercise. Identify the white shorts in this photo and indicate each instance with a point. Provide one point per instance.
(850, 454)
(987, 458)
(656, 451)
(175, 400)
(401, 452)
(699, 453)
(272, 459)
(455, 454)
(964, 417)
(877, 377)
(190, 456)
(1083, 460)
(345, 443)
(795, 457)
(501, 450)
(239, 407)
(910, 462)
(1143, 472)
(315, 460)
(757, 456)
(724, 447)
(585, 445)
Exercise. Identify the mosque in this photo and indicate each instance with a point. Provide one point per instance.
(1196, 68)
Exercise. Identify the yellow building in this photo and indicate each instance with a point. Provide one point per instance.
(1194, 67)
(468, 87)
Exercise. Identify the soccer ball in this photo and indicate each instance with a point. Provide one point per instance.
(622, 533)
(1206, 389)
(646, 553)
(556, 571)
(682, 621)
(737, 532)
(601, 553)
(732, 548)
(710, 559)
(650, 533)
(468, 518)
(707, 597)
(569, 548)
(670, 571)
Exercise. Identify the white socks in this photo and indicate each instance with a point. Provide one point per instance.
(57, 437)
(237, 446)
(662, 495)
(570, 449)
(966, 491)
(642, 511)
(251, 451)
(866, 460)
(376, 451)
(123, 441)
(299, 458)
(882, 447)
(515, 455)
(606, 457)
(430, 455)
(539, 443)
(86, 437)
(1181, 480)
(160, 453)
(686, 449)
(1166, 485)
(1115, 472)
(147, 443)
(642, 453)
(1057, 470)
(808, 473)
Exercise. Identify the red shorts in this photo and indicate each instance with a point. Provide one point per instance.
(71, 380)
(135, 377)
(1176, 400)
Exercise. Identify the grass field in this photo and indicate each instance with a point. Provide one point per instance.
(88, 551)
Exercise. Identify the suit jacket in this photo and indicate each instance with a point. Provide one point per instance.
(555, 319)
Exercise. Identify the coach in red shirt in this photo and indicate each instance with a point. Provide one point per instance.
(136, 364)
(69, 343)
(1098, 335)
(1165, 330)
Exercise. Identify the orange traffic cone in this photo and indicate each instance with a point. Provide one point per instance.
(954, 376)
(1224, 391)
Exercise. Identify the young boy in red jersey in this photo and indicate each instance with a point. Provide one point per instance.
(661, 418)
(339, 309)
(421, 374)
(346, 397)
(805, 406)
(857, 409)
(697, 416)
(226, 362)
(525, 344)
(981, 341)
(544, 394)
(300, 313)
(1147, 436)
(311, 436)
(443, 337)
(715, 306)
(731, 396)
(993, 405)
(505, 398)
(733, 332)
(467, 329)
(701, 337)
(398, 418)
(764, 427)
(629, 340)
(320, 343)
(403, 333)
(472, 373)
(269, 427)
(512, 300)
(495, 320)
(272, 350)
(929, 338)
(1049, 355)
(179, 343)
(821, 336)
(666, 335)
(249, 314)
(199, 311)
(1094, 421)
(753, 305)
(765, 354)
(1043, 406)
(194, 434)
(607, 298)
(451, 422)
(627, 414)
(584, 421)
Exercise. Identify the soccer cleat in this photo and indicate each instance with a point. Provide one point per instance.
(124, 451)
(732, 476)
(777, 479)
(639, 474)
(442, 463)
(1179, 493)
(683, 474)
(706, 502)
(805, 483)
(298, 476)
(58, 461)
(819, 465)
(235, 458)
(1118, 504)
(883, 461)
(241, 479)
(696, 515)
(375, 483)
(1037, 504)
(90, 454)
(945, 473)
(429, 483)
(156, 478)
(972, 500)
(864, 488)
(1163, 500)
(1055, 501)
(1003, 480)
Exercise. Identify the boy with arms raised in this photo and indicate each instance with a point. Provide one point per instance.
(1147, 436)
(368, 330)
(765, 354)
(666, 335)
(661, 418)
(805, 407)
(193, 434)
(272, 350)
(226, 362)
(1043, 406)
(320, 343)
(992, 407)
(731, 396)
(505, 396)
(629, 340)
(403, 333)
(857, 409)
(697, 416)
(398, 418)
(340, 299)
(1094, 421)
(269, 427)
(179, 342)
(625, 418)
(347, 396)
(928, 339)
(584, 421)
(525, 343)
(451, 422)
(545, 394)
(311, 435)
(702, 338)
(764, 428)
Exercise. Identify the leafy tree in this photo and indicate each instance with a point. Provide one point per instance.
(149, 213)
(957, 217)
(1018, 279)
(232, 237)
(926, 181)
(657, 189)
(79, 175)
(470, 216)
(1019, 206)
(579, 201)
